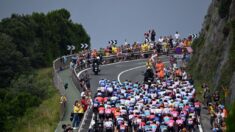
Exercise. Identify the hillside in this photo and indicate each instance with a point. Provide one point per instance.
(213, 60)
(34, 41)
(28, 45)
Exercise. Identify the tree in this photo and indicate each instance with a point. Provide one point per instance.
(12, 61)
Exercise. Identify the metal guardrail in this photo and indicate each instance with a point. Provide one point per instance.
(59, 64)
(107, 60)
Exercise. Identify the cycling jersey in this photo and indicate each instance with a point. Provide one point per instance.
(101, 110)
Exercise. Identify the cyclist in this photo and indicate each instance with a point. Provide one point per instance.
(108, 125)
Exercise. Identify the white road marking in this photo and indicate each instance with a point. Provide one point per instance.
(111, 64)
(118, 77)
(78, 75)
(199, 125)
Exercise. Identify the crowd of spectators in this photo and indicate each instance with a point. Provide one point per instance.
(216, 110)
(161, 88)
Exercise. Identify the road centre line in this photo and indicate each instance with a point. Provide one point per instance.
(79, 73)
(119, 75)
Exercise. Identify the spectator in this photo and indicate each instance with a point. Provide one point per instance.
(63, 99)
(153, 34)
(76, 119)
(84, 103)
(216, 96)
(80, 111)
(177, 35)
(212, 115)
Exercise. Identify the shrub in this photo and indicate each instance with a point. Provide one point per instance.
(224, 8)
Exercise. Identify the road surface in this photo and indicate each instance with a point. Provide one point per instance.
(129, 70)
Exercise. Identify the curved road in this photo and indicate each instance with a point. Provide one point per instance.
(121, 71)
(109, 71)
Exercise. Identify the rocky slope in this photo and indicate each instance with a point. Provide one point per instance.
(213, 60)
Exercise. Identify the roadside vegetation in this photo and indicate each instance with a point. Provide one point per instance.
(45, 117)
(208, 56)
(28, 45)
(231, 118)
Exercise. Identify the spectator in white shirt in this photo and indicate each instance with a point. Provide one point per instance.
(177, 35)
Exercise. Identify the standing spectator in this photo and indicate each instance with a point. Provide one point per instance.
(153, 34)
(146, 36)
(81, 111)
(63, 99)
(205, 90)
(208, 97)
(160, 40)
(165, 47)
(212, 115)
(171, 41)
(216, 97)
(89, 101)
(84, 103)
(76, 118)
(83, 93)
(177, 35)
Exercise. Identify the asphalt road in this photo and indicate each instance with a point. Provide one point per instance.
(112, 71)
(117, 71)
(130, 70)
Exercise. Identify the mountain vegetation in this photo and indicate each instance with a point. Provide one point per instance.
(28, 43)
(213, 60)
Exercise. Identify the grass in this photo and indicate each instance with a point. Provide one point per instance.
(231, 118)
(45, 117)
(199, 90)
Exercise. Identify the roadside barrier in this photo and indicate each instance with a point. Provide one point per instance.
(62, 63)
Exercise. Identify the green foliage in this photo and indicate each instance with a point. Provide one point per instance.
(27, 43)
(11, 60)
(203, 68)
(231, 118)
(49, 109)
(228, 69)
(224, 7)
(47, 121)
(207, 27)
(3, 115)
(36, 40)
(226, 29)
(21, 102)
(195, 67)
(25, 92)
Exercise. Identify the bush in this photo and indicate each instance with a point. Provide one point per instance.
(231, 118)
(26, 91)
(224, 8)
(226, 30)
